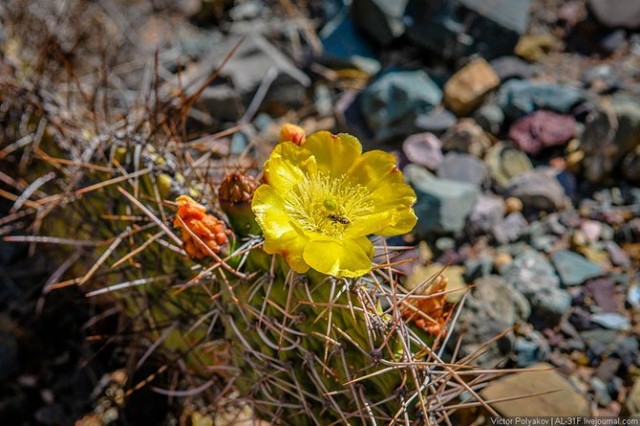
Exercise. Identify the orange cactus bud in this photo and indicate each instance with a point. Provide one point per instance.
(194, 221)
(292, 133)
(431, 313)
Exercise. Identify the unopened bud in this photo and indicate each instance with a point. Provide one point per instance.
(292, 133)
(235, 194)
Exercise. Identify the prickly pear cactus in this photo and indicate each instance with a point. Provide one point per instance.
(320, 329)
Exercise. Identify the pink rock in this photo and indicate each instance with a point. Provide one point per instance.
(424, 149)
(542, 129)
(591, 230)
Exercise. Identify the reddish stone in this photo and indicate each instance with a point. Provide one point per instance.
(542, 129)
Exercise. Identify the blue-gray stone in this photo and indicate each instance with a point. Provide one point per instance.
(508, 67)
(457, 28)
(600, 391)
(322, 100)
(436, 122)
(380, 19)
(344, 46)
(490, 118)
(539, 190)
(487, 213)
(463, 167)
(511, 228)
(518, 98)
(605, 142)
(633, 296)
(573, 268)
(616, 13)
(263, 122)
(476, 268)
(611, 320)
(239, 142)
(533, 275)
(442, 205)
(492, 307)
(392, 102)
(531, 349)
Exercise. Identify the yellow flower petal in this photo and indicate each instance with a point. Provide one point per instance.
(335, 154)
(288, 165)
(372, 168)
(346, 258)
(268, 206)
(291, 246)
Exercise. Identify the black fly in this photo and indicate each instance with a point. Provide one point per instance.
(338, 219)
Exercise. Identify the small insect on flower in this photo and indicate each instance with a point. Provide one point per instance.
(194, 221)
(321, 199)
(339, 219)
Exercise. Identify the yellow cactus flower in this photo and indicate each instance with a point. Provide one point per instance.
(321, 200)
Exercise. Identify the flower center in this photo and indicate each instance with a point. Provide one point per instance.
(327, 205)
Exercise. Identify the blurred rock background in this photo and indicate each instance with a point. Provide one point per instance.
(516, 121)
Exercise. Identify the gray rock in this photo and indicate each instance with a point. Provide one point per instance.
(391, 103)
(424, 149)
(459, 28)
(442, 205)
(617, 255)
(573, 268)
(539, 190)
(342, 45)
(487, 212)
(600, 342)
(608, 369)
(532, 274)
(239, 142)
(490, 118)
(616, 13)
(492, 307)
(508, 67)
(600, 77)
(322, 100)
(248, 10)
(611, 320)
(463, 168)
(600, 391)
(633, 297)
(466, 136)
(436, 121)
(247, 68)
(512, 15)
(544, 243)
(627, 350)
(531, 349)
(380, 19)
(445, 243)
(511, 228)
(518, 98)
(222, 101)
(435, 26)
(610, 133)
(506, 163)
